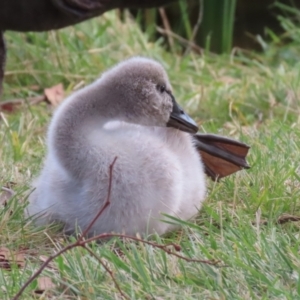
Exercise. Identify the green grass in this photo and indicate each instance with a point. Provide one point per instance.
(254, 98)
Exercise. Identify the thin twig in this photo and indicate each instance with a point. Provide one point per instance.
(155, 245)
(107, 203)
(107, 270)
(167, 26)
(81, 242)
(41, 268)
(195, 47)
(196, 27)
(13, 104)
(77, 243)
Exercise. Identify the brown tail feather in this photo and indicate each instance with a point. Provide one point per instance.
(221, 156)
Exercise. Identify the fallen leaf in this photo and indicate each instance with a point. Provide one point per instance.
(8, 257)
(5, 195)
(44, 283)
(284, 218)
(10, 106)
(287, 218)
(55, 94)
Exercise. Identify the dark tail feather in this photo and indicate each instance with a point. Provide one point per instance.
(221, 156)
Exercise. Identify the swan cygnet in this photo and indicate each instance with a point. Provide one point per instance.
(129, 113)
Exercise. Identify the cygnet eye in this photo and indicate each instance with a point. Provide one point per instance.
(161, 88)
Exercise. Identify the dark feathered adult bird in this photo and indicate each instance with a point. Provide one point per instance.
(43, 15)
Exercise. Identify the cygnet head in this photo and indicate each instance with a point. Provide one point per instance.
(144, 94)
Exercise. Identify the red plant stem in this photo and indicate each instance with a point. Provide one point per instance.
(80, 242)
(41, 268)
(107, 270)
(160, 246)
(106, 204)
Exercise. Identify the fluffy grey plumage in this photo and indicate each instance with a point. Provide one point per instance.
(158, 170)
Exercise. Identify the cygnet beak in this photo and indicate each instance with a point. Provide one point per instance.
(180, 120)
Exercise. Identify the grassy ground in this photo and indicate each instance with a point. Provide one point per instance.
(254, 98)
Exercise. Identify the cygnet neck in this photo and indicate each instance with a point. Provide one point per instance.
(74, 123)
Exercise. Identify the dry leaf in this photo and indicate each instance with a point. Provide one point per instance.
(7, 258)
(5, 195)
(44, 283)
(54, 94)
(10, 106)
(284, 218)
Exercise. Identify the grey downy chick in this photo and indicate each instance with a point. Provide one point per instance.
(129, 113)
